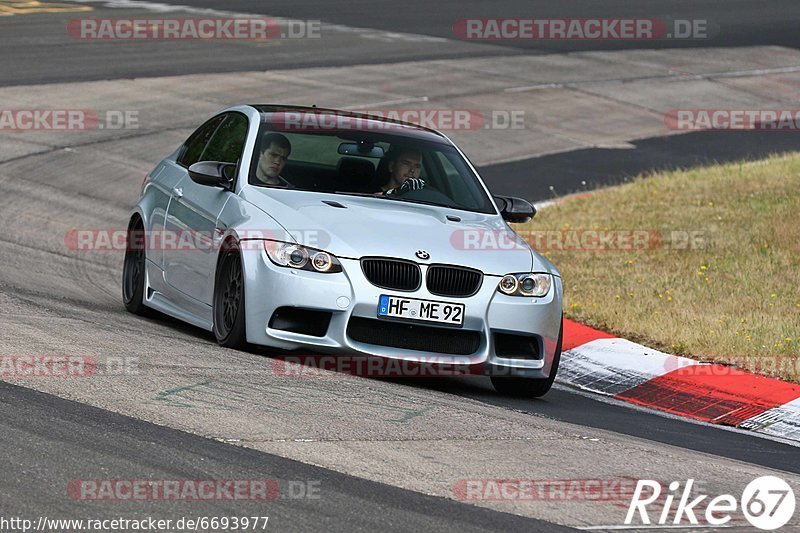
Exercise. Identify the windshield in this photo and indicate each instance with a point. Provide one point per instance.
(384, 165)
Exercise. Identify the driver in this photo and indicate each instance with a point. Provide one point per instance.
(404, 166)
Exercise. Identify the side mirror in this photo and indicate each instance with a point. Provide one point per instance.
(213, 173)
(515, 210)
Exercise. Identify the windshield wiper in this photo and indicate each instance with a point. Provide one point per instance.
(423, 202)
(363, 194)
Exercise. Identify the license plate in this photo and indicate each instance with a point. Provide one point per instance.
(422, 310)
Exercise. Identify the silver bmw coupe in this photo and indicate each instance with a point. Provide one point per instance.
(348, 234)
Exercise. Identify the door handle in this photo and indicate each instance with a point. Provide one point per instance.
(177, 193)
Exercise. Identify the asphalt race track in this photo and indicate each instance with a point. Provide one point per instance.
(399, 34)
(167, 403)
(62, 428)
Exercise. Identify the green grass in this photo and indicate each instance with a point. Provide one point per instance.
(734, 298)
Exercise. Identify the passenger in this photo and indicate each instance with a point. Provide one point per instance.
(276, 150)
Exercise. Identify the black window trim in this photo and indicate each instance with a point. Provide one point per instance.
(188, 140)
(224, 116)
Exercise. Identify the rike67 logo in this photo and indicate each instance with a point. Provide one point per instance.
(767, 502)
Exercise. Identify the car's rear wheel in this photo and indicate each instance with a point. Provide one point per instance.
(133, 270)
(530, 387)
(229, 313)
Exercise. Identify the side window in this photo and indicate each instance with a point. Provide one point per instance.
(227, 143)
(196, 143)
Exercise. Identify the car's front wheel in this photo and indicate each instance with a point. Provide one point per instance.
(229, 314)
(133, 270)
(530, 387)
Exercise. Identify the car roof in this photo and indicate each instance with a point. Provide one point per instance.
(366, 122)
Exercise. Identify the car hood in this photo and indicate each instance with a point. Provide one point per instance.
(355, 227)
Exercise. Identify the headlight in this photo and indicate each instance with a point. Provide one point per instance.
(287, 254)
(509, 284)
(322, 261)
(527, 284)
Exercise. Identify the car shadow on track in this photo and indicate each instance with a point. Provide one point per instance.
(476, 386)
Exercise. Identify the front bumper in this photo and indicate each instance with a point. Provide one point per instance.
(349, 294)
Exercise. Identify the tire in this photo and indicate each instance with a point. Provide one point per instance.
(133, 270)
(228, 308)
(530, 387)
